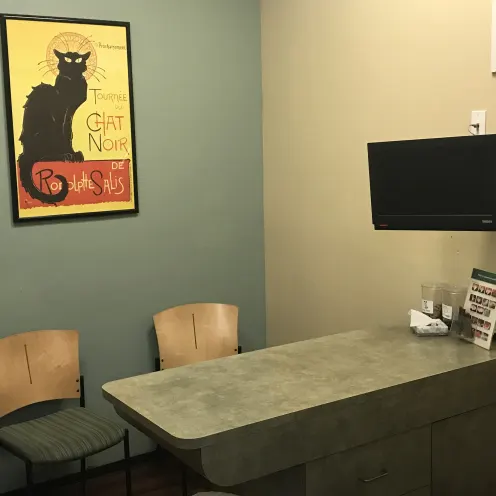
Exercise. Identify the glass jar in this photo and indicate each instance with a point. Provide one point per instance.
(453, 298)
(432, 299)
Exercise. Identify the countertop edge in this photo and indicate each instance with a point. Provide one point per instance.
(218, 437)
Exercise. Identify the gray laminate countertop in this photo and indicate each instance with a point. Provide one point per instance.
(191, 406)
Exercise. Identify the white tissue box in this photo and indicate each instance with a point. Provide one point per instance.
(422, 325)
(436, 328)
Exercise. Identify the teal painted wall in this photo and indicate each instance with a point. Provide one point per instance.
(199, 236)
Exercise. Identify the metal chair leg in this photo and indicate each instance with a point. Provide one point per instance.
(83, 476)
(184, 479)
(127, 462)
(29, 479)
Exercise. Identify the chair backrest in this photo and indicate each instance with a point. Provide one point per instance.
(195, 333)
(38, 366)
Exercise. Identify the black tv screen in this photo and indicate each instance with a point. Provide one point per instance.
(434, 184)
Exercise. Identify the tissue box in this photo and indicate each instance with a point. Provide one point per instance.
(422, 325)
(435, 328)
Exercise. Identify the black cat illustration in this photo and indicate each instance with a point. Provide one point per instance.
(47, 125)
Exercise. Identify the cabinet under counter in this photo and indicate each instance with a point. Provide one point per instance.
(394, 465)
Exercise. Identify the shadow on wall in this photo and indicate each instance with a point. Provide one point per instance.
(463, 251)
(489, 255)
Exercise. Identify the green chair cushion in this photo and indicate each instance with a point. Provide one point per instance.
(61, 437)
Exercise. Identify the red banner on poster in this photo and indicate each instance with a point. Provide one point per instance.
(91, 182)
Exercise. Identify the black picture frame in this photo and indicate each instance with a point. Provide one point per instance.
(10, 124)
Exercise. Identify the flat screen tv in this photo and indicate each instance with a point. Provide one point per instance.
(444, 184)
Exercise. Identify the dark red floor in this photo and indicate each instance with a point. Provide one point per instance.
(155, 477)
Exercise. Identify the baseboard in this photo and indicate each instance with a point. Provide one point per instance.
(90, 474)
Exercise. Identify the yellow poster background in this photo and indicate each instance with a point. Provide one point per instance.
(28, 41)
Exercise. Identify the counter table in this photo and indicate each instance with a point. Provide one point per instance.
(369, 412)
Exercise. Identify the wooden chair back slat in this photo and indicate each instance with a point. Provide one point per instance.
(197, 332)
(38, 366)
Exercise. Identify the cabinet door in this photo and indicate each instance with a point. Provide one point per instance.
(426, 491)
(463, 454)
(388, 467)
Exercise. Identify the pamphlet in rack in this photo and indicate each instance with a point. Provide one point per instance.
(481, 306)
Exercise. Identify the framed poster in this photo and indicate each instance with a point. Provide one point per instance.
(70, 118)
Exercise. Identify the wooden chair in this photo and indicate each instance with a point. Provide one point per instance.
(195, 333)
(44, 365)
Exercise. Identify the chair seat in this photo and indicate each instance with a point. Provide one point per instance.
(61, 437)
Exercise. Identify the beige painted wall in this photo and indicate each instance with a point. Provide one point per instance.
(336, 75)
